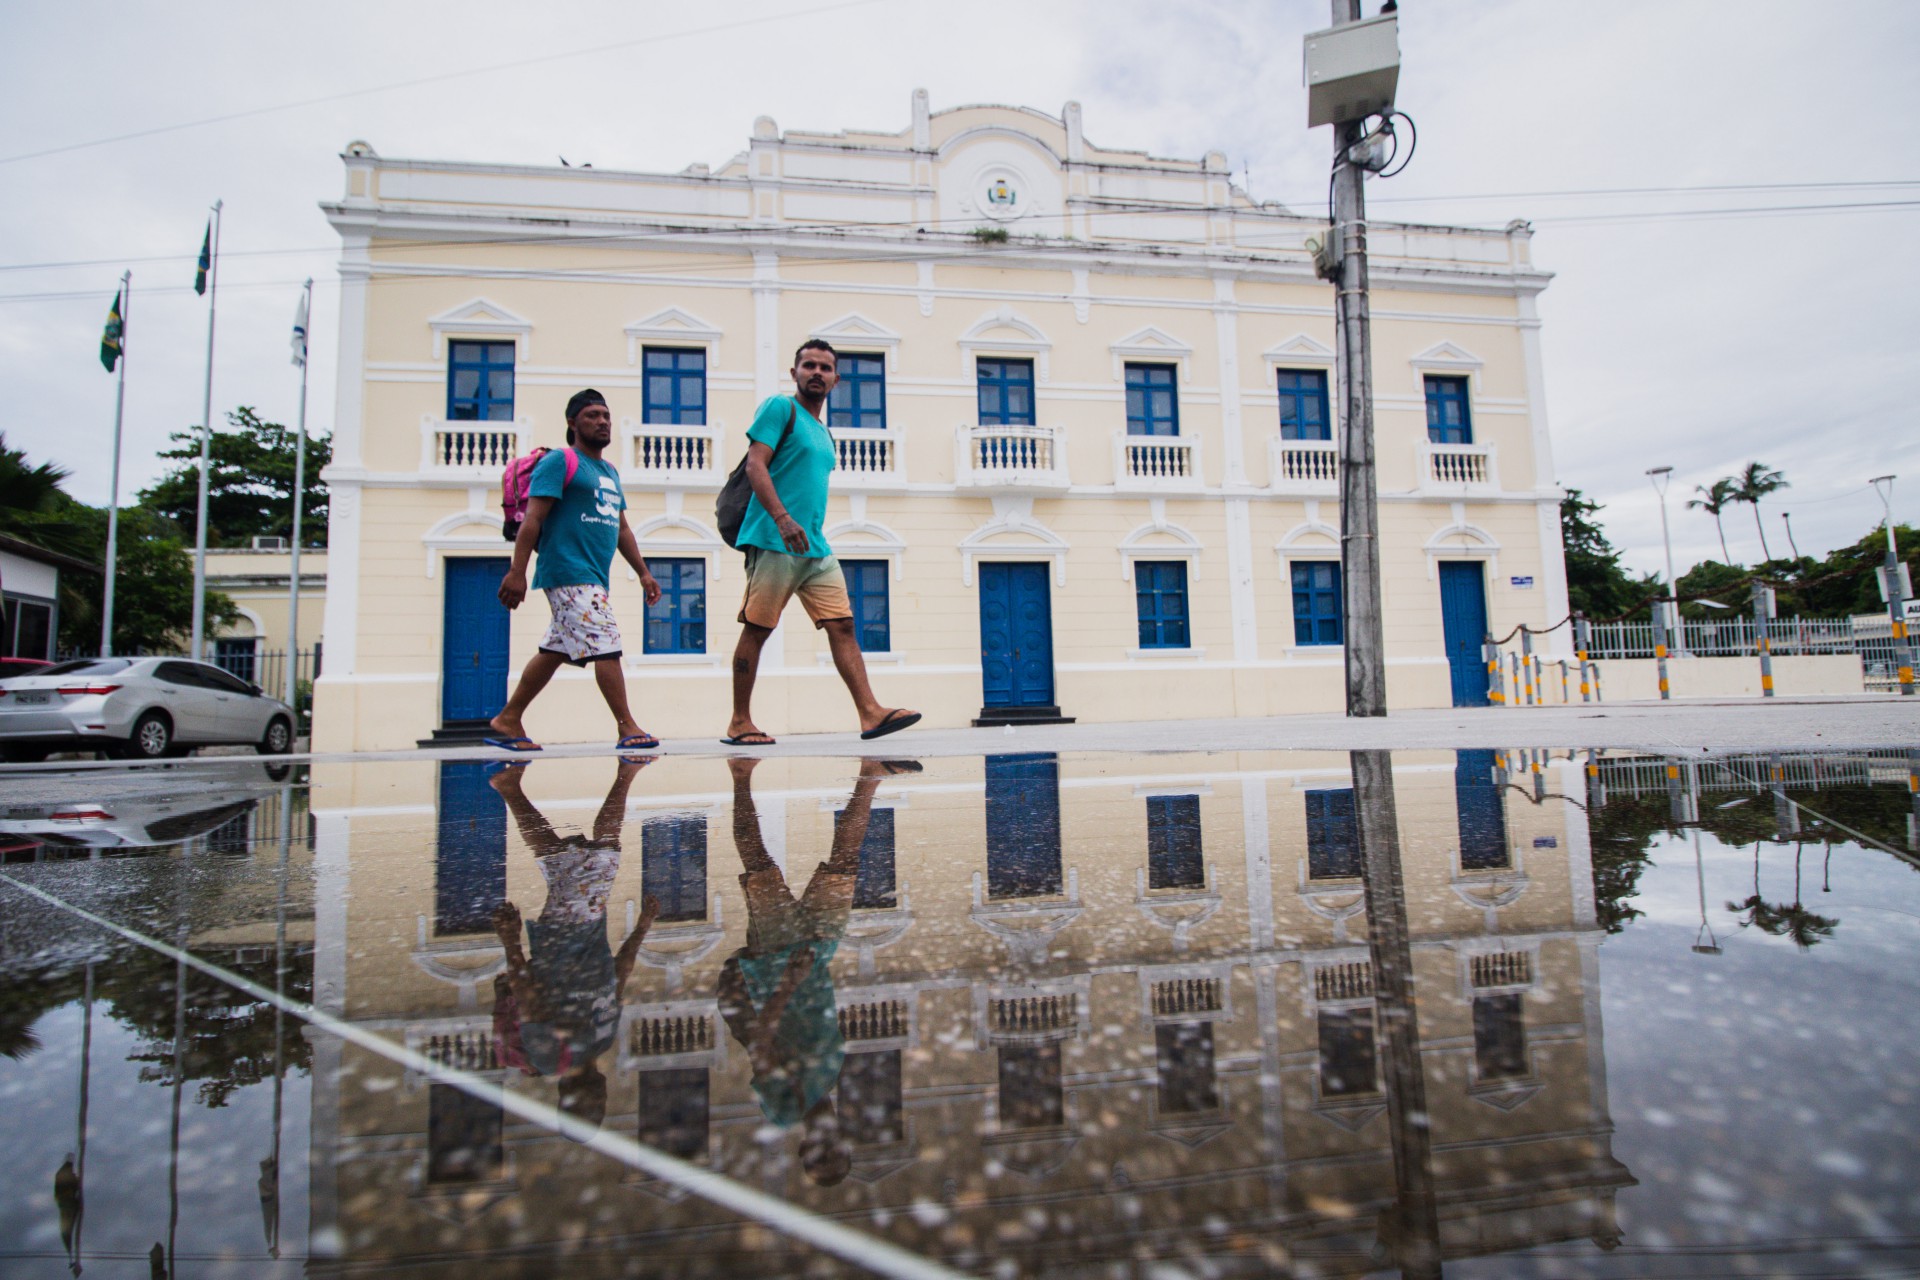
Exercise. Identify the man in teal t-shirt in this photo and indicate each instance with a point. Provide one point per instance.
(789, 455)
(576, 525)
(776, 993)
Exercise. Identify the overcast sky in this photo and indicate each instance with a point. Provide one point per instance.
(1699, 342)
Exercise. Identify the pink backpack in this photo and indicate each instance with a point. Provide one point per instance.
(516, 482)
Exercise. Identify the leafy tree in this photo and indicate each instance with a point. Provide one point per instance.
(249, 483)
(1753, 484)
(34, 506)
(1855, 589)
(152, 589)
(1725, 583)
(1713, 501)
(1596, 584)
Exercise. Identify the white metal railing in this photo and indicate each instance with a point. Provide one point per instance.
(1021, 456)
(666, 450)
(1459, 464)
(1731, 638)
(1157, 461)
(468, 446)
(1304, 464)
(862, 453)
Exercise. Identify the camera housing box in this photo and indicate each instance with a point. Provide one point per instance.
(1352, 70)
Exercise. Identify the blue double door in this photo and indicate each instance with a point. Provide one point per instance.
(473, 654)
(1463, 623)
(1016, 636)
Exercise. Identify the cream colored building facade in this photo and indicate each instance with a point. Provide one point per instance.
(1004, 279)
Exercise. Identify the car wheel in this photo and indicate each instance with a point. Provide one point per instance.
(277, 740)
(24, 755)
(152, 737)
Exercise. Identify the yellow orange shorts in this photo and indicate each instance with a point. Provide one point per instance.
(774, 577)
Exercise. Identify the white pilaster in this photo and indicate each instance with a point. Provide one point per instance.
(1226, 323)
(766, 323)
(1246, 626)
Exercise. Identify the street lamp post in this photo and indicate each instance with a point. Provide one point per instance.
(1659, 476)
(1896, 598)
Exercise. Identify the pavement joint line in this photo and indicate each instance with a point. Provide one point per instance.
(857, 1247)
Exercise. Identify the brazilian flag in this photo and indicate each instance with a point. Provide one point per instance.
(206, 260)
(112, 336)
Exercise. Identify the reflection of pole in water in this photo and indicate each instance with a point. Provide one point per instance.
(1786, 820)
(179, 1070)
(1711, 947)
(69, 1180)
(1414, 1234)
(270, 1167)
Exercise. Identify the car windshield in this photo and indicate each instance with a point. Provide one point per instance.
(87, 667)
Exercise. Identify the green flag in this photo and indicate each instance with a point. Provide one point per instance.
(112, 336)
(206, 261)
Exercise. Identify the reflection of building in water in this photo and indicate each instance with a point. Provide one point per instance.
(1088, 1006)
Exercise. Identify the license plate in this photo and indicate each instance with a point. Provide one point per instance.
(32, 699)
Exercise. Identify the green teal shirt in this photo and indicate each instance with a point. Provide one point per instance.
(581, 533)
(799, 472)
(808, 1043)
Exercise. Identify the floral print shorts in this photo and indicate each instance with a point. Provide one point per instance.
(583, 628)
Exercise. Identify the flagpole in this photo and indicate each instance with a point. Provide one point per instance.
(299, 493)
(206, 444)
(113, 511)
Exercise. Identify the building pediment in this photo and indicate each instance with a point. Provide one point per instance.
(671, 326)
(1300, 349)
(480, 318)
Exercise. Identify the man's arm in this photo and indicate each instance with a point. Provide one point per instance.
(513, 587)
(630, 552)
(758, 456)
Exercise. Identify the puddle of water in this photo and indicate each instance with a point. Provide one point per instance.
(1312, 1014)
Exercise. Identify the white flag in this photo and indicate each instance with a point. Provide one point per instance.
(300, 332)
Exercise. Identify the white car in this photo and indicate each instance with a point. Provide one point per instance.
(137, 709)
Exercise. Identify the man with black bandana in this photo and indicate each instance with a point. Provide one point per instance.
(576, 523)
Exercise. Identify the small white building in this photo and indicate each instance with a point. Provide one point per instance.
(30, 597)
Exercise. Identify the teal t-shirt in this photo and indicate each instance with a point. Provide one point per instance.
(808, 1042)
(581, 533)
(799, 471)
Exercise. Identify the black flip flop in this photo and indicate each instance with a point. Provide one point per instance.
(742, 741)
(897, 719)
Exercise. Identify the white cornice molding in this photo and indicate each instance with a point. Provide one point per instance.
(1152, 343)
(981, 339)
(1301, 349)
(856, 331)
(481, 318)
(1013, 518)
(675, 326)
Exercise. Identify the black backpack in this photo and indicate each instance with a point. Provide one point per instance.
(730, 508)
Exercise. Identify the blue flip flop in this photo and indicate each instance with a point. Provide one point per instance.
(637, 742)
(512, 744)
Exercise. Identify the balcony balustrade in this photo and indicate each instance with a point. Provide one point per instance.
(1304, 466)
(1009, 457)
(666, 453)
(1156, 462)
(1459, 466)
(863, 456)
(469, 446)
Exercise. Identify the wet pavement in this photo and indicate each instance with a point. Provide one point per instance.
(1319, 1014)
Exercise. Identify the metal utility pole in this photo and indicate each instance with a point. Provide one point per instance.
(1352, 73)
(1896, 595)
(1666, 608)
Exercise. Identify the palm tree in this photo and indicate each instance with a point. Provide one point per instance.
(1713, 501)
(1753, 484)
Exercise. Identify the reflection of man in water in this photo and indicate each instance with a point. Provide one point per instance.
(777, 992)
(556, 1009)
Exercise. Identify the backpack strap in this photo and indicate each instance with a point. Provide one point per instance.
(573, 468)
